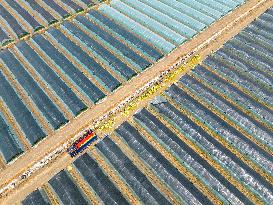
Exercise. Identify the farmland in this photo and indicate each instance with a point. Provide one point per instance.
(57, 76)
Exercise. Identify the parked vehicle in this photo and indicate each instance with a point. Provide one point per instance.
(82, 143)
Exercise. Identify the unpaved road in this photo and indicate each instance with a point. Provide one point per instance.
(225, 28)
